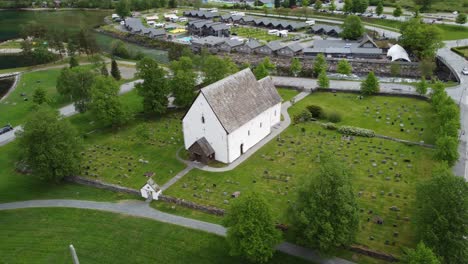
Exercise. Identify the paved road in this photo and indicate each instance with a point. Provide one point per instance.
(142, 209)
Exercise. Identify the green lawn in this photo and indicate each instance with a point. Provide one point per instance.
(383, 114)
(287, 94)
(452, 32)
(10, 45)
(462, 51)
(15, 186)
(258, 33)
(43, 235)
(276, 169)
(113, 155)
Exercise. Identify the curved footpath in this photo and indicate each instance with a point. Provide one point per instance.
(142, 209)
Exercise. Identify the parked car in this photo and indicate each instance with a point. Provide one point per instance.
(465, 71)
(6, 129)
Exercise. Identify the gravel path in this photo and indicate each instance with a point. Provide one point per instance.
(142, 209)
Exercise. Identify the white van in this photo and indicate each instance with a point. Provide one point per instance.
(310, 22)
(273, 32)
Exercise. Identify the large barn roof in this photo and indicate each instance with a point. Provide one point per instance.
(239, 98)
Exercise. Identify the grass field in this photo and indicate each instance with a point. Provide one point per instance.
(287, 94)
(10, 45)
(385, 174)
(257, 33)
(42, 236)
(15, 186)
(462, 51)
(382, 114)
(113, 155)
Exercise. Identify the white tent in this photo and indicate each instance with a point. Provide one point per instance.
(397, 52)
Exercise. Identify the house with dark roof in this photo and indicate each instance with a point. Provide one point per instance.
(209, 43)
(204, 28)
(230, 45)
(363, 48)
(249, 47)
(231, 116)
(201, 14)
(290, 50)
(332, 31)
(135, 26)
(270, 48)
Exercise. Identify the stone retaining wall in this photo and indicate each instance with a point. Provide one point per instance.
(122, 189)
(360, 67)
(406, 141)
(373, 254)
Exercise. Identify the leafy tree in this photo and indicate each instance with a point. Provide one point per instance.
(427, 66)
(397, 12)
(360, 6)
(292, 3)
(86, 42)
(461, 18)
(172, 3)
(119, 49)
(260, 71)
(421, 39)
(76, 84)
(155, 87)
(424, 4)
(332, 6)
(115, 72)
(318, 5)
(123, 8)
(296, 66)
(216, 68)
(268, 64)
(39, 96)
(251, 232)
(105, 104)
(344, 67)
(421, 86)
(277, 3)
(49, 145)
(447, 149)
(370, 85)
(73, 62)
(348, 6)
(442, 210)
(352, 28)
(379, 8)
(305, 6)
(183, 87)
(420, 255)
(183, 64)
(34, 30)
(104, 71)
(320, 64)
(395, 69)
(325, 214)
(323, 80)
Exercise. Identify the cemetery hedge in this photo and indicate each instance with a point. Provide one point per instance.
(42, 235)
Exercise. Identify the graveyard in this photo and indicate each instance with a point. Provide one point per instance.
(385, 172)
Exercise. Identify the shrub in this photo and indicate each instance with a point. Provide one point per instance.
(316, 111)
(304, 116)
(334, 117)
(329, 126)
(356, 131)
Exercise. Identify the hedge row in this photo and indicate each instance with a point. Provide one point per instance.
(356, 131)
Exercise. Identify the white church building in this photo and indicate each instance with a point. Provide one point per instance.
(230, 116)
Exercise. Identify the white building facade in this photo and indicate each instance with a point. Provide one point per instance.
(233, 115)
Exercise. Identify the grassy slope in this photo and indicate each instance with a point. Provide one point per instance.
(300, 160)
(43, 236)
(355, 113)
(287, 94)
(15, 186)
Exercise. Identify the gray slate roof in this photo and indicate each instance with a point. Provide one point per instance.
(202, 145)
(210, 40)
(253, 44)
(135, 25)
(239, 98)
(234, 42)
(274, 45)
(295, 47)
(342, 47)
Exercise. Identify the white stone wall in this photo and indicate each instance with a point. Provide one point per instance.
(252, 132)
(212, 129)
